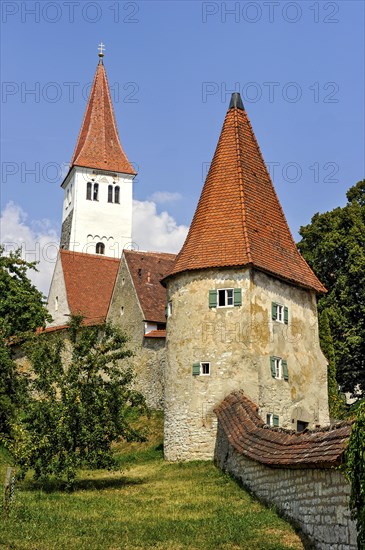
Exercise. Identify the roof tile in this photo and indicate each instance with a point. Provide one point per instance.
(98, 144)
(248, 434)
(239, 220)
(147, 269)
(89, 281)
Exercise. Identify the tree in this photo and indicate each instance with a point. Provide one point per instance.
(82, 402)
(335, 402)
(334, 246)
(354, 468)
(22, 309)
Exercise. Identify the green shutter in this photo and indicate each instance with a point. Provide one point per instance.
(286, 315)
(276, 421)
(237, 296)
(284, 364)
(212, 298)
(273, 311)
(166, 311)
(272, 363)
(196, 369)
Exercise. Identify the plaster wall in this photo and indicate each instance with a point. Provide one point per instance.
(57, 303)
(148, 360)
(98, 221)
(238, 342)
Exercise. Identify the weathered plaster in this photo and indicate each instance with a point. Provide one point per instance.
(66, 231)
(57, 291)
(238, 342)
(149, 353)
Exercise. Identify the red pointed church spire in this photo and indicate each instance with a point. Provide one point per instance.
(239, 220)
(98, 144)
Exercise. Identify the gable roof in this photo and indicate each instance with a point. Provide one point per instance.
(245, 431)
(239, 220)
(147, 269)
(98, 144)
(89, 282)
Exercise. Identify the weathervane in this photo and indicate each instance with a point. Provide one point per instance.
(101, 50)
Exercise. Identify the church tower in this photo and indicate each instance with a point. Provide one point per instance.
(97, 206)
(242, 311)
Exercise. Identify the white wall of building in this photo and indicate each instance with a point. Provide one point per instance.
(98, 220)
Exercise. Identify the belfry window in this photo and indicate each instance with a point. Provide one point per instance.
(116, 194)
(100, 248)
(110, 193)
(88, 190)
(96, 192)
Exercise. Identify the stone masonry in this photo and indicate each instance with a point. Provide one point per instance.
(295, 473)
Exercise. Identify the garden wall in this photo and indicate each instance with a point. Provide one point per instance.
(295, 472)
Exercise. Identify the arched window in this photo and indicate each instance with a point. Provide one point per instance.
(96, 192)
(116, 194)
(88, 190)
(110, 193)
(100, 248)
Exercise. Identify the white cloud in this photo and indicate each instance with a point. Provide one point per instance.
(161, 197)
(38, 240)
(156, 232)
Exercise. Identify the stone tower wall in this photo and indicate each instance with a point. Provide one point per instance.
(238, 342)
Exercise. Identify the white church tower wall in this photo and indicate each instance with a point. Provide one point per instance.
(97, 209)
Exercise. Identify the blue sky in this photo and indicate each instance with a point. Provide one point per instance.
(172, 67)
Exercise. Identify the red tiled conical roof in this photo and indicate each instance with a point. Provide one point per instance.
(239, 220)
(98, 144)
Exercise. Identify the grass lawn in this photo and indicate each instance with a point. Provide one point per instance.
(149, 503)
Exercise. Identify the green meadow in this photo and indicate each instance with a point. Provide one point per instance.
(145, 503)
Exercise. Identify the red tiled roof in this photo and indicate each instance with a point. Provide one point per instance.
(273, 447)
(98, 144)
(147, 269)
(239, 220)
(89, 281)
(156, 334)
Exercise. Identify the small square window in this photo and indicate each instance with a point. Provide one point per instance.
(205, 369)
(301, 425)
(225, 297)
(270, 419)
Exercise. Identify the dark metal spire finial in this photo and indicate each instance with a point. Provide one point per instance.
(236, 102)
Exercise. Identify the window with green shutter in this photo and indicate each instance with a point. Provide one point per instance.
(196, 369)
(276, 421)
(212, 298)
(285, 369)
(279, 313)
(237, 293)
(279, 368)
(225, 297)
(286, 315)
(273, 311)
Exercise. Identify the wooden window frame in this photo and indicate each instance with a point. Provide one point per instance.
(226, 298)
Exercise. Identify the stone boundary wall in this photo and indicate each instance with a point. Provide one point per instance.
(315, 500)
(296, 472)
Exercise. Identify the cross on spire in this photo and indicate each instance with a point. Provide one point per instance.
(101, 49)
